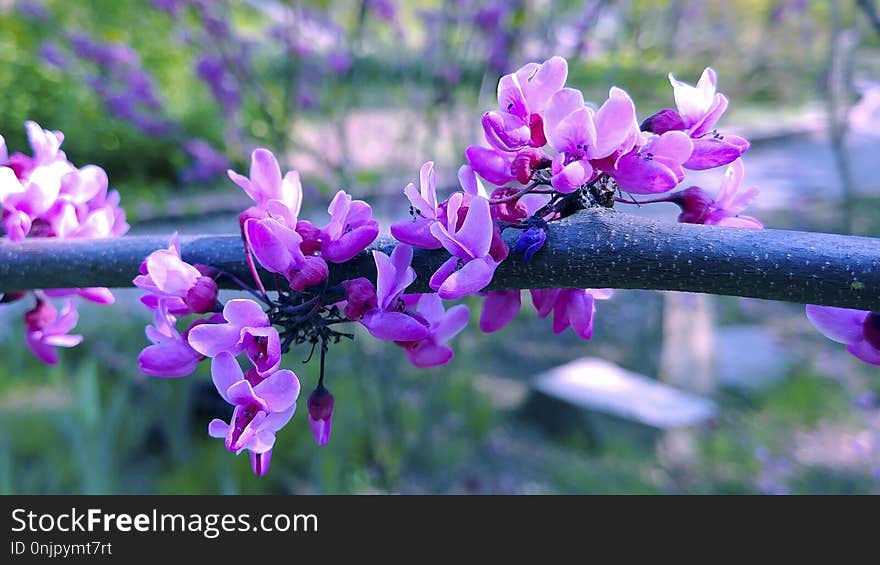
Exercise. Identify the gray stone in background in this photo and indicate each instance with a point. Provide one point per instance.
(598, 401)
(750, 357)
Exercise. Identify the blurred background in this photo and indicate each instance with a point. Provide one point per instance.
(723, 395)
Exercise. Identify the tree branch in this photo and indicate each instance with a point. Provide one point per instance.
(596, 248)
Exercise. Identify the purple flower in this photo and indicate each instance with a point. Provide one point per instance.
(264, 403)
(499, 309)
(571, 308)
(274, 196)
(275, 245)
(253, 430)
(471, 266)
(52, 55)
(45, 330)
(388, 320)
(273, 392)
(167, 277)
(384, 9)
(441, 325)
(522, 97)
(222, 83)
(492, 164)
(170, 355)
(246, 328)
(424, 210)
(350, 230)
(208, 163)
(700, 107)
(859, 330)
(339, 61)
(698, 207)
(321, 404)
(580, 135)
(654, 167)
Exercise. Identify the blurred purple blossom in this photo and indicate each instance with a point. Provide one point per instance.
(207, 162)
(220, 80)
(52, 54)
(33, 9)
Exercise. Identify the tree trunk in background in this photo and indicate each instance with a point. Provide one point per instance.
(686, 362)
(841, 45)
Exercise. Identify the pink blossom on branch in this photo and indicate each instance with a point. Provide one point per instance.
(46, 329)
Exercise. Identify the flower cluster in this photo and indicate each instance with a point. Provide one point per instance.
(549, 154)
(45, 195)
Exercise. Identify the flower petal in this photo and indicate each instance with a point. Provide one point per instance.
(225, 372)
(842, 325)
(279, 390)
(473, 277)
(395, 326)
(615, 122)
(499, 309)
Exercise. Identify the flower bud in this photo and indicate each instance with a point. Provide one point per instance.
(360, 296)
(321, 414)
(202, 297)
(314, 271)
(511, 210)
(526, 162)
(695, 204)
(665, 120)
(530, 242)
(260, 462)
(311, 237)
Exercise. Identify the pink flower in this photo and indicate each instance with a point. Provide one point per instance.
(441, 325)
(246, 329)
(263, 405)
(279, 249)
(275, 196)
(522, 97)
(698, 207)
(350, 230)
(700, 107)
(275, 245)
(424, 210)
(274, 392)
(571, 308)
(170, 355)
(654, 167)
(472, 265)
(388, 320)
(250, 429)
(45, 330)
(579, 134)
(166, 276)
(859, 330)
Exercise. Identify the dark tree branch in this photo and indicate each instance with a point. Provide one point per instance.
(593, 249)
